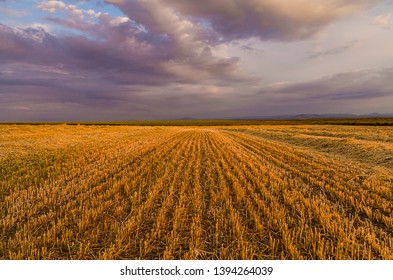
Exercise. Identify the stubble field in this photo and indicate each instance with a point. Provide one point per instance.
(230, 192)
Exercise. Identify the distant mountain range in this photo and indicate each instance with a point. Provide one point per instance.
(301, 117)
(315, 116)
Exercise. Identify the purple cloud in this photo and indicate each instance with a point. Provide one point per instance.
(355, 85)
(237, 19)
(107, 63)
(166, 58)
(120, 53)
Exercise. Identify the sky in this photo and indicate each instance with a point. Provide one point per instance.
(106, 60)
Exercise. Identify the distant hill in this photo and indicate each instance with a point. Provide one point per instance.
(315, 116)
(185, 119)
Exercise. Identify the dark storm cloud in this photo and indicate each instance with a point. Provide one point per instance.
(120, 53)
(110, 66)
(161, 58)
(163, 42)
(74, 53)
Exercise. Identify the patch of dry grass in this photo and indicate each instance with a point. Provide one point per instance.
(250, 192)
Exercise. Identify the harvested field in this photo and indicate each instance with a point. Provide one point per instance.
(238, 192)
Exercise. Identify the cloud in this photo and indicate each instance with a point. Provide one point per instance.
(13, 12)
(52, 6)
(118, 49)
(169, 58)
(355, 85)
(21, 108)
(93, 13)
(73, 10)
(335, 51)
(119, 20)
(383, 21)
(280, 20)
